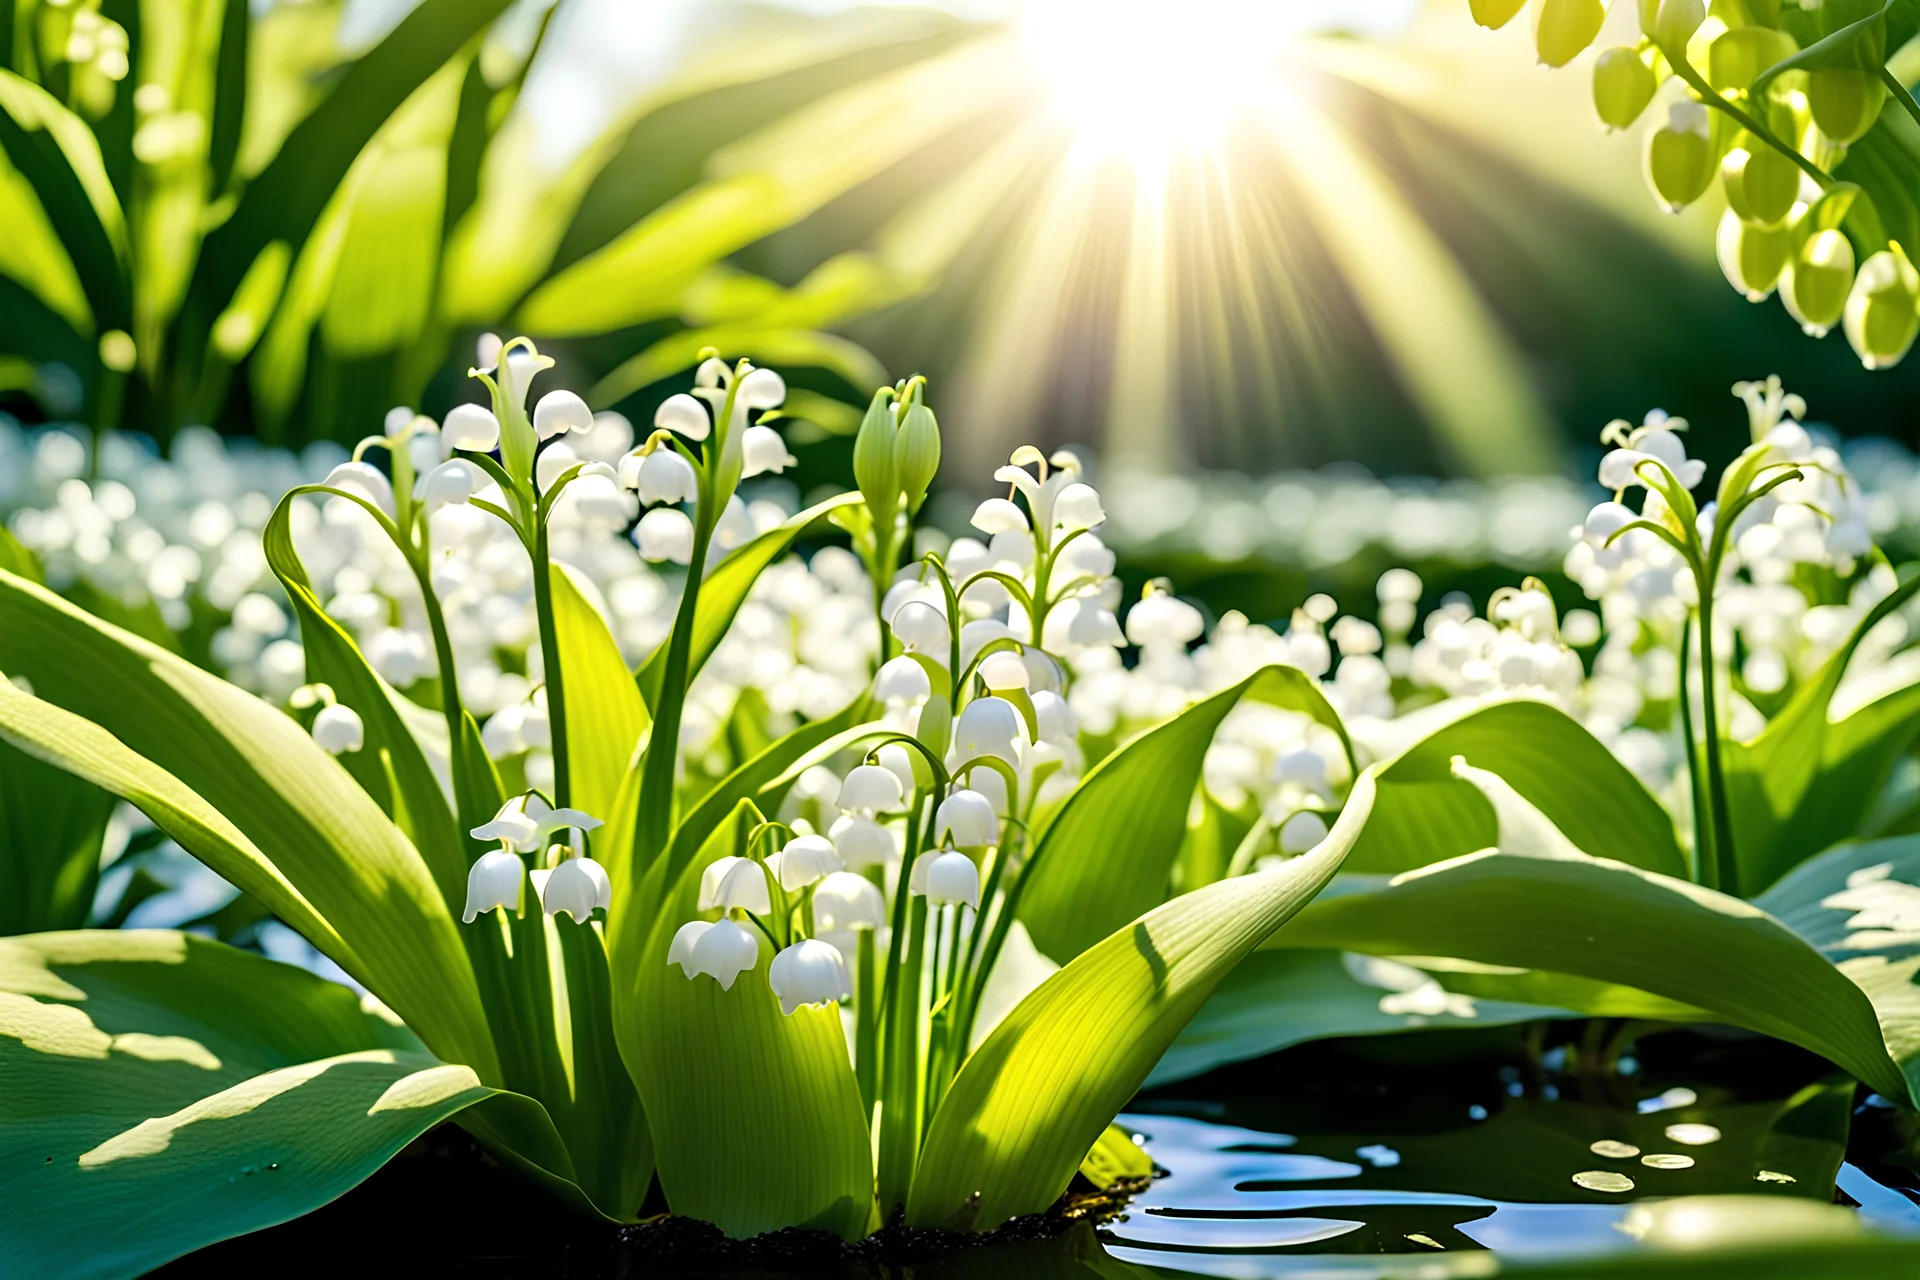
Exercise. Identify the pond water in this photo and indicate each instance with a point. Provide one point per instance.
(1422, 1156)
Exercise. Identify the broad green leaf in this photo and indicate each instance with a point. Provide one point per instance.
(1036, 1094)
(756, 1117)
(266, 775)
(606, 716)
(390, 767)
(1108, 855)
(1858, 46)
(1610, 922)
(1807, 781)
(160, 1092)
(31, 252)
(725, 589)
(85, 750)
(1115, 1158)
(1424, 813)
(51, 827)
(55, 150)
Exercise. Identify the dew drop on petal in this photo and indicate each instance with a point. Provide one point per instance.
(1603, 1180)
(1667, 1161)
(1692, 1135)
(1613, 1150)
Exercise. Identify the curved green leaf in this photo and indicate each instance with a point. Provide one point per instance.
(159, 1092)
(1108, 855)
(85, 750)
(725, 590)
(56, 151)
(1610, 922)
(606, 716)
(261, 771)
(756, 1117)
(1424, 813)
(51, 827)
(1036, 1094)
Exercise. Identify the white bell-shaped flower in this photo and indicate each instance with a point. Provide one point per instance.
(722, 950)
(732, 882)
(998, 515)
(805, 860)
(896, 759)
(922, 628)
(901, 679)
(989, 783)
(762, 449)
(593, 495)
(524, 822)
(989, 727)
(495, 880)
(1164, 620)
(861, 842)
(1077, 507)
(871, 788)
(978, 634)
(1003, 670)
(762, 389)
(1618, 469)
(969, 818)
(946, 878)
(845, 902)
(808, 972)
(660, 476)
(471, 427)
(1055, 719)
(559, 412)
(452, 482)
(1082, 623)
(683, 415)
(1302, 832)
(338, 729)
(577, 886)
(665, 533)
(363, 480)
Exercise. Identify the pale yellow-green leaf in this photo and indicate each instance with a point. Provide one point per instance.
(606, 716)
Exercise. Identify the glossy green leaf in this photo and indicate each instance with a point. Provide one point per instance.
(85, 750)
(51, 827)
(1806, 782)
(756, 1117)
(1424, 813)
(725, 590)
(55, 150)
(1613, 923)
(1036, 1094)
(1108, 855)
(261, 771)
(161, 1092)
(31, 252)
(606, 716)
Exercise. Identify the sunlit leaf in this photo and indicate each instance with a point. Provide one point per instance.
(606, 716)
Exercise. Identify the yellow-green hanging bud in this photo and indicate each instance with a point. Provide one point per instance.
(1751, 256)
(1761, 183)
(1845, 103)
(1680, 155)
(1623, 85)
(1671, 23)
(1736, 58)
(916, 453)
(1814, 285)
(1562, 28)
(1494, 14)
(873, 465)
(1881, 318)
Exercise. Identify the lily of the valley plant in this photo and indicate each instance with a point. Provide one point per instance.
(789, 1005)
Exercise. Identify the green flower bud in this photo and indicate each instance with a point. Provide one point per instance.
(1752, 256)
(1671, 23)
(1623, 85)
(1736, 58)
(1845, 103)
(1881, 316)
(916, 453)
(1680, 155)
(1814, 285)
(874, 469)
(1761, 183)
(1494, 14)
(1562, 28)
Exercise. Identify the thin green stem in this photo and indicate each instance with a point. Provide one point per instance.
(1900, 93)
(1727, 867)
(1705, 869)
(550, 660)
(1685, 70)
